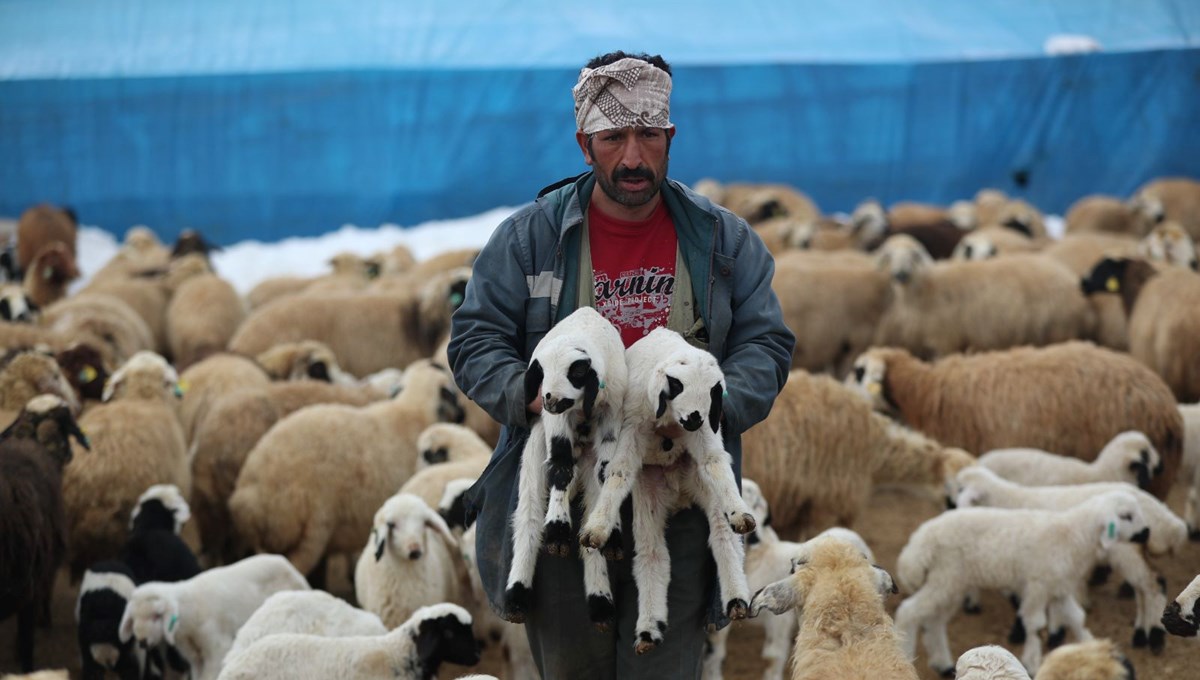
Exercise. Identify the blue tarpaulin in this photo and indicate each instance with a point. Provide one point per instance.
(272, 118)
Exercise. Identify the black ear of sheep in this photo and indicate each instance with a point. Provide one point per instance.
(715, 406)
(533, 380)
(662, 405)
(5, 310)
(318, 370)
(1142, 470)
(591, 390)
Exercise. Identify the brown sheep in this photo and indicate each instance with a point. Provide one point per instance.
(84, 368)
(40, 226)
(203, 315)
(49, 274)
(205, 382)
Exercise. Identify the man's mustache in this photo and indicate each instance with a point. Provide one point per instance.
(632, 173)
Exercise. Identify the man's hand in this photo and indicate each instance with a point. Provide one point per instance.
(672, 431)
(535, 406)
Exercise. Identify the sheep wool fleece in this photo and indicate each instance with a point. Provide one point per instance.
(526, 279)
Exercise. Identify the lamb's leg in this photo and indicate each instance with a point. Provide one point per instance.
(780, 632)
(605, 448)
(560, 475)
(310, 551)
(937, 644)
(714, 654)
(26, 618)
(1033, 615)
(1065, 615)
(1127, 561)
(527, 523)
(715, 469)
(601, 610)
(726, 546)
(927, 610)
(651, 566)
(620, 474)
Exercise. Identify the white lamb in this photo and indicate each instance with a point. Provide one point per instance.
(402, 568)
(673, 384)
(201, 616)
(1182, 616)
(1128, 457)
(991, 662)
(579, 371)
(1191, 465)
(1168, 533)
(1042, 556)
(414, 651)
(311, 612)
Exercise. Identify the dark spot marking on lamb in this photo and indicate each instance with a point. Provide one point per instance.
(562, 463)
(1158, 639)
(456, 514)
(601, 471)
(667, 443)
(583, 429)
(601, 611)
(516, 602)
(608, 438)
(318, 370)
(1139, 638)
(1055, 639)
(1162, 585)
(1175, 621)
(661, 625)
(1015, 602)
(946, 672)
(435, 456)
(1100, 575)
(612, 549)
(1016, 636)
(752, 538)
(1126, 591)
(557, 538)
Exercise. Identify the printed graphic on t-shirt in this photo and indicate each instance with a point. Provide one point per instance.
(638, 299)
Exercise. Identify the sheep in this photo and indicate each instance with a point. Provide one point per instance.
(989, 242)
(1128, 457)
(758, 202)
(411, 560)
(1080, 252)
(137, 442)
(40, 226)
(821, 450)
(103, 594)
(781, 234)
(1070, 398)
(928, 225)
(83, 366)
(140, 252)
(1164, 331)
(991, 662)
(1039, 555)
(202, 316)
(309, 612)
(26, 374)
(1106, 215)
(312, 483)
(979, 487)
(49, 274)
(200, 616)
(1091, 660)
(450, 443)
(367, 332)
(1191, 465)
(24, 335)
(39, 675)
(33, 452)
(16, 306)
(300, 360)
(105, 322)
(154, 550)
(207, 381)
(1182, 615)
(950, 307)
(1176, 199)
(1169, 243)
(413, 651)
(452, 505)
(845, 632)
(672, 383)
(430, 483)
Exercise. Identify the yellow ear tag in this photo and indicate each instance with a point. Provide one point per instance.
(183, 386)
(87, 374)
(874, 389)
(1113, 285)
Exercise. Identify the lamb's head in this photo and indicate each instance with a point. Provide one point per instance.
(185, 267)
(1120, 518)
(15, 305)
(162, 506)
(566, 375)
(446, 442)
(140, 239)
(869, 221)
(307, 359)
(834, 568)
(903, 258)
(428, 384)
(441, 634)
(453, 507)
(145, 375)
(1148, 208)
(47, 419)
(1182, 615)
(350, 264)
(191, 241)
(689, 388)
(400, 526)
(991, 661)
(84, 367)
(850, 537)
(868, 379)
(1170, 243)
(963, 215)
(151, 616)
(974, 485)
(975, 247)
(1021, 217)
(24, 374)
(1134, 452)
(438, 299)
(797, 234)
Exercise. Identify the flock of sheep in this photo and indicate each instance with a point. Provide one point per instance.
(1045, 387)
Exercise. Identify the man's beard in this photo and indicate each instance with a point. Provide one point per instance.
(631, 199)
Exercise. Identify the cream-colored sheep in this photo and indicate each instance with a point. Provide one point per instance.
(24, 374)
(450, 443)
(1129, 457)
(1191, 465)
(103, 321)
(783, 233)
(989, 242)
(1168, 243)
(136, 442)
(1020, 217)
(23, 335)
(758, 202)
(204, 382)
(430, 483)
(304, 359)
(367, 332)
(1070, 398)
(821, 450)
(140, 252)
(203, 315)
(991, 662)
(1098, 659)
(312, 484)
(1106, 214)
(1176, 199)
(845, 632)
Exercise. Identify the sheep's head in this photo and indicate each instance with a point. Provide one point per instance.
(162, 506)
(975, 247)
(803, 551)
(753, 495)
(991, 661)
(869, 380)
(85, 369)
(400, 526)
(869, 222)
(145, 376)
(47, 419)
(689, 389)
(442, 633)
(1134, 452)
(1148, 208)
(350, 264)
(973, 486)
(191, 241)
(437, 300)
(151, 616)
(443, 442)
(1022, 218)
(1170, 243)
(832, 565)
(141, 239)
(1182, 615)
(24, 374)
(16, 306)
(184, 268)
(797, 234)
(566, 375)
(903, 258)
(1098, 659)
(1121, 518)
(307, 359)
(963, 215)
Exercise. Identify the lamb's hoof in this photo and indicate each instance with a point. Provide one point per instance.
(516, 603)
(737, 609)
(1139, 638)
(1016, 636)
(970, 607)
(1055, 639)
(557, 539)
(945, 672)
(1126, 592)
(602, 612)
(648, 640)
(592, 538)
(1158, 640)
(612, 549)
(741, 522)
(1100, 575)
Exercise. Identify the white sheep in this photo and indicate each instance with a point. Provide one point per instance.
(1182, 615)
(1191, 464)
(991, 662)
(450, 443)
(1170, 244)
(578, 370)
(511, 637)
(411, 560)
(1128, 457)
(1040, 555)
(979, 487)
(1090, 660)
(310, 612)
(201, 616)
(414, 651)
(672, 384)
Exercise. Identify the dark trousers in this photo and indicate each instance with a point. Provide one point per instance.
(566, 646)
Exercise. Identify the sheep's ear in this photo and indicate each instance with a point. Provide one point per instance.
(428, 638)
(1108, 532)
(591, 390)
(674, 389)
(716, 406)
(125, 631)
(533, 380)
(1142, 470)
(319, 370)
(111, 385)
(380, 535)
(884, 581)
(435, 522)
(779, 597)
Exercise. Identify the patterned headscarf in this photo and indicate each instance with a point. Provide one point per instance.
(625, 93)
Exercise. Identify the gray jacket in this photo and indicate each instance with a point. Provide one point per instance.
(524, 282)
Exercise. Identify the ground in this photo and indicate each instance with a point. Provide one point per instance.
(893, 515)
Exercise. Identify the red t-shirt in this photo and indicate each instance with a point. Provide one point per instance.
(634, 266)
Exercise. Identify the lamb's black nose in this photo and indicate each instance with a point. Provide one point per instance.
(1141, 536)
(693, 422)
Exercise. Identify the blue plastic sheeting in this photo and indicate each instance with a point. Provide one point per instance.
(164, 129)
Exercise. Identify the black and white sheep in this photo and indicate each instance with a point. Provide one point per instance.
(154, 550)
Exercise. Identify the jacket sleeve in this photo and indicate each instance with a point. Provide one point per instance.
(759, 346)
(487, 332)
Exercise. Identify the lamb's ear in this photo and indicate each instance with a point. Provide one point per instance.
(533, 380)
(884, 581)
(111, 385)
(435, 522)
(591, 389)
(779, 597)
(125, 631)
(715, 406)
(1108, 532)
(171, 616)
(428, 638)
(674, 389)
(380, 535)
(1142, 470)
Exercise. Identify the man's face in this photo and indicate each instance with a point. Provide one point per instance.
(630, 163)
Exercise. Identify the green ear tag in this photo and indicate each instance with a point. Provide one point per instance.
(725, 394)
(456, 299)
(171, 625)
(601, 384)
(1112, 529)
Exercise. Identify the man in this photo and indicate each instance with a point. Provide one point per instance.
(645, 251)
